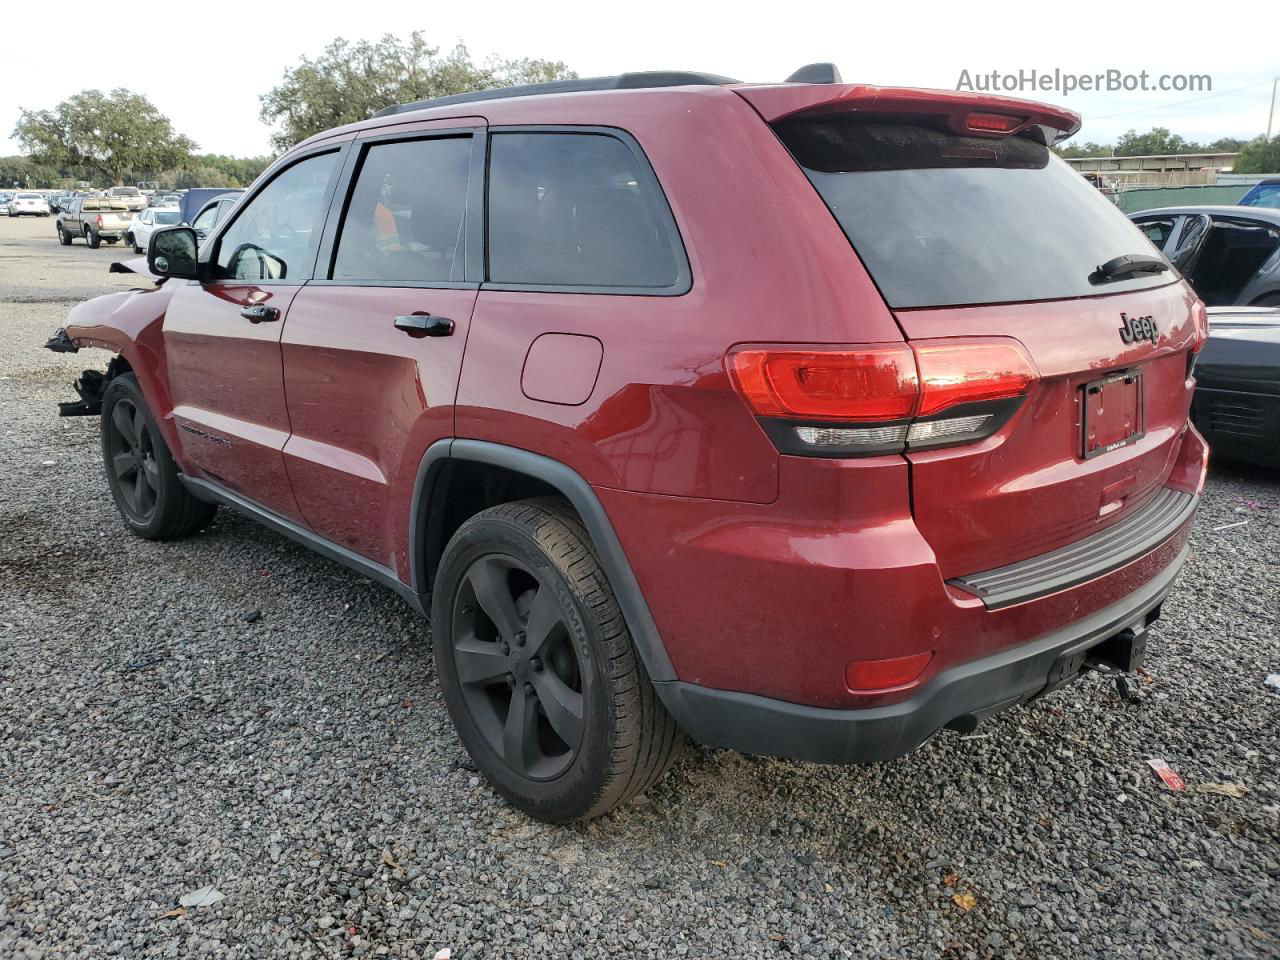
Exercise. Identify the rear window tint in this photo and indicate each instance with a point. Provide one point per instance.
(570, 209)
(940, 219)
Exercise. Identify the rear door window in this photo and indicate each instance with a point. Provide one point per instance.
(578, 210)
(407, 216)
(1230, 256)
(942, 219)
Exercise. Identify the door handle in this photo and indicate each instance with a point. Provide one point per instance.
(260, 313)
(425, 325)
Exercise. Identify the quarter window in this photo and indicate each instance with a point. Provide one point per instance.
(575, 209)
(1157, 231)
(406, 220)
(271, 237)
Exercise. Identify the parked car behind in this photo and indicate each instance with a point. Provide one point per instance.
(138, 233)
(1229, 255)
(212, 213)
(1237, 401)
(93, 219)
(808, 419)
(132, 196)
(4, 204)
(1265, 193)
(195, 200)
(28, 205)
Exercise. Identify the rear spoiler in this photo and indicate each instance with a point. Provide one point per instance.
(1001, 116)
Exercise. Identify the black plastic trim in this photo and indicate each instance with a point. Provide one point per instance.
(623, 81)
(644, 631)
(212, 492)
(760, 725)
(1142, 531)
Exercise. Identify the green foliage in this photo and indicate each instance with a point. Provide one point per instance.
(1091, 149)
(109, 135)
(352, 81)
(1157, 140)
(22, 172)
(1154, 141)
(1259, 156)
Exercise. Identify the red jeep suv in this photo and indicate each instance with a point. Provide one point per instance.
(804, 419)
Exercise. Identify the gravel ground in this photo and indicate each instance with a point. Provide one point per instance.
(232, 710)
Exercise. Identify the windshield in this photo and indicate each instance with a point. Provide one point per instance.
(168, 217)
(941, 219)
(124, 192)
(1262, 195)
(28, 196)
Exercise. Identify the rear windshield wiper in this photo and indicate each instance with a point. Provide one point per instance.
(1128, 265)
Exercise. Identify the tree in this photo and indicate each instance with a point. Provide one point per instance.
(1157, 140)
(352, 81)
(19, 171)
(1089, 149)
(1225, 145)
(1259, 156)
(110, 135)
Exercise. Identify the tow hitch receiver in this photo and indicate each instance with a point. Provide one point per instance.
(1125, 651)
(1119, 654)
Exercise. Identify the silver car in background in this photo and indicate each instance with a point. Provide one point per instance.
(1229, 255)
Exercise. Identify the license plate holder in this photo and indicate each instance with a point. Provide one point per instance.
(1113, 413)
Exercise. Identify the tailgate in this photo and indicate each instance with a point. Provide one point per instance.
(1031, 289)
(1093, 442)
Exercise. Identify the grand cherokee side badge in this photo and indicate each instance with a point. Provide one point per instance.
(1133, 329)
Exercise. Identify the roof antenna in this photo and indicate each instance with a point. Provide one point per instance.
(816, 73)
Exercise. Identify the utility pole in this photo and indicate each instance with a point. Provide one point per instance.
(1272, 113)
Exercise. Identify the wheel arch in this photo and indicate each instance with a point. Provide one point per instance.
(454, 461)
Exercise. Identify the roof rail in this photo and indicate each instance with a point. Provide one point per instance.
(623, 81)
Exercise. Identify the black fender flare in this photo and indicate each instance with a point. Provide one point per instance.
(644, 631)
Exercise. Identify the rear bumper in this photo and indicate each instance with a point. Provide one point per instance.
(760, 725)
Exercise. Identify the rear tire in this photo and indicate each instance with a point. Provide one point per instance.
(141, 472)
(92, 239)
(538, 668)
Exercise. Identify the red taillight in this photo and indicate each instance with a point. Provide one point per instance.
(993, 122)
(862, 676)
(99, 219)
(882, 398)
(956, 372)
(853, 385)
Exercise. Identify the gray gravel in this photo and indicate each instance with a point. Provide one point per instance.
(234, 711)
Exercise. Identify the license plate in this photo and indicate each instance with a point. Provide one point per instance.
(1113, 415)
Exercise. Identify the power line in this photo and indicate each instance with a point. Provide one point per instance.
(1181, 103)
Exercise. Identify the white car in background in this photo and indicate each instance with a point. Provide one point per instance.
(146, 222)
(28, 204)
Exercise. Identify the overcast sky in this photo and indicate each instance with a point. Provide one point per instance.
(206, 68)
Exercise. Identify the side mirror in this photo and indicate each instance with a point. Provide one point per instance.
(172, 253)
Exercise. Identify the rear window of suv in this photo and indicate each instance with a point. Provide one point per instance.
(577, 210)
(941, 219)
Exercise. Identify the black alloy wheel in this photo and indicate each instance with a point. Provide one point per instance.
(517, 667)
(131, 456)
